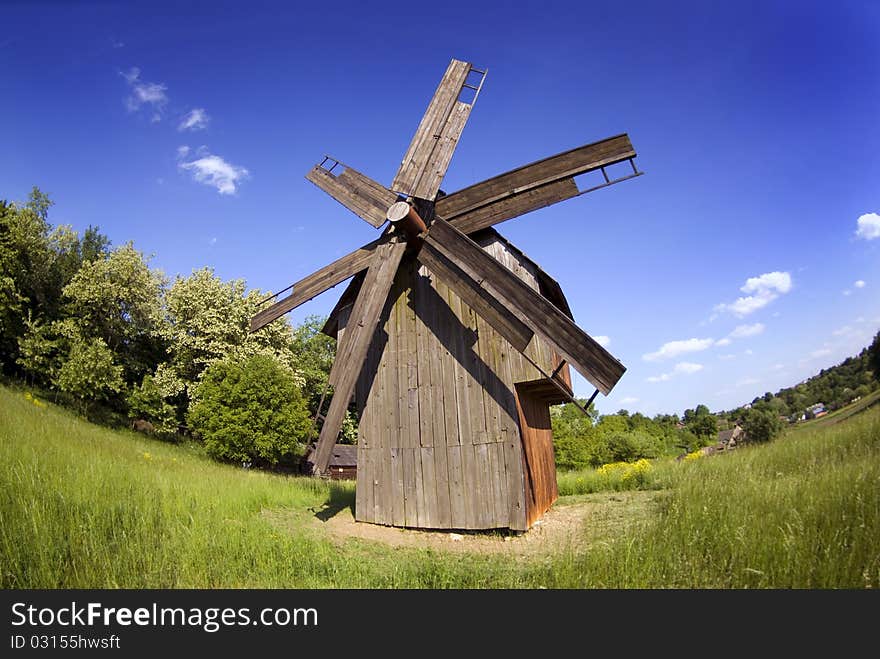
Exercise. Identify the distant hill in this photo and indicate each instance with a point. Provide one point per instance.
(832, 387)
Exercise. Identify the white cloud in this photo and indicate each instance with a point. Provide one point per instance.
(748, 351)
(212, 241)
(821, 352)
(763, 290)
(676, 348)
(629, 400)
(727, 357)
(846, 292)
(195, 119)
(723, 342)
(860, 283)
(770, 281)
(868, 226)
(602, 340)
(778, 367)
(145, 93)
(742, 331)
(682, 368)
(687, 368)
(843, 331)
(746, 381)
(212, 170)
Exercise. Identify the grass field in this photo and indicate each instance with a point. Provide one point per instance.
(83, 506)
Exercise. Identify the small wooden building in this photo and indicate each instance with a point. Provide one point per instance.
(343, 462)
(455, 423)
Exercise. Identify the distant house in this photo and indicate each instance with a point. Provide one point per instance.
(816, 410)
(728, 439)
(343, 462)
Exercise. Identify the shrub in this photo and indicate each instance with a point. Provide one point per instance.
(89, 374)
(251, 411)
(761, 425)
(146, 402)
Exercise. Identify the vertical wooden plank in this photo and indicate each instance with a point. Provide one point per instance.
(419, 483)
(365, 506)
(466, 391)
(423, 339)
(447, 325)
(430, 517)
(498, 478)
(513, 466)
(487, 347)
(458, 504)
(411, 516)
(398, 515)
(441, 483)
(484, 488)
(435, 352)
(470, 481)
(412, 361)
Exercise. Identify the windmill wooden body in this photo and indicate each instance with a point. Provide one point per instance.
(452, 342)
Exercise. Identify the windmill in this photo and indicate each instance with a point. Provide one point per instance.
(452, 342)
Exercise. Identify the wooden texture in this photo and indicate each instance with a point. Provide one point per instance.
(439, 439)
(318, 282)
(580, 350)
(432, 146)
(357, 192)
(485, 304)
(530, 187)
(352, 353)
(540, 464)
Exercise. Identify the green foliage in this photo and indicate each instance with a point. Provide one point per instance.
(146, 402)
(89, 374)
(705, 426)
(873, 356)
(208, 320)
(761, 425)
(118, 299)
(251, 411)
(36, 262)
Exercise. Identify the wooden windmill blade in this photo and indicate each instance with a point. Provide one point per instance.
(359, 193)
(349, 360)
(318, 282)
(428, 156)
(534, 186)
(536, 312)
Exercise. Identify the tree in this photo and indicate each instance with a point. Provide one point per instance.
(36, 262)
(88, 374)
(208, 320)
(701, 422)
(251, 411)
(874, 356)
(118, 299)
(761, 425)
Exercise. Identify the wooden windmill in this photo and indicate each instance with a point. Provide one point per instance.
(452, 342)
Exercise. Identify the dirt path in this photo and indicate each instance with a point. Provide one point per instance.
(572, 522)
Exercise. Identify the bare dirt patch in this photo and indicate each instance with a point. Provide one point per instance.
(572, 523)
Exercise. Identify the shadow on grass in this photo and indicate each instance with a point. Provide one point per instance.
(341, 497)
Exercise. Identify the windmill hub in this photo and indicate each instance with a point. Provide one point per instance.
(404, 217)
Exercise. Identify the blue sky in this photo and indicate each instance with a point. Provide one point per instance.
(736, 265)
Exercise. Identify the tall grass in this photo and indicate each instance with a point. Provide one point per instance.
(800, 512)
(82, 506)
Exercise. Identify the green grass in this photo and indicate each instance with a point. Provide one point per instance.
(82, 506)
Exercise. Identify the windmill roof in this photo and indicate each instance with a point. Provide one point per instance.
(550, 288)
